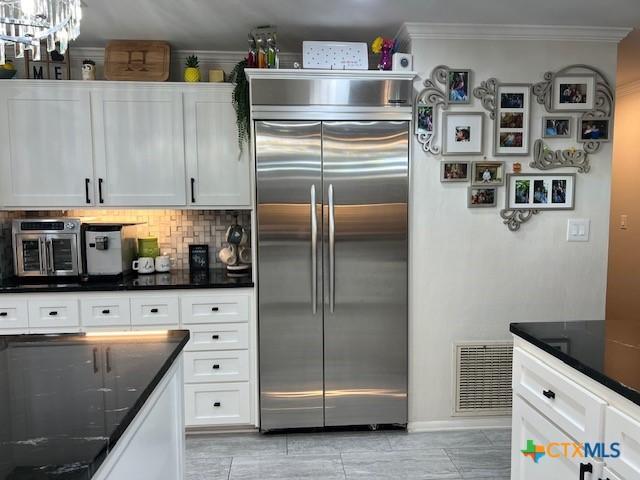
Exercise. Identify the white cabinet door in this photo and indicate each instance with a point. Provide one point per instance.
(13, 316)
(139, 146)
(217, 404)
(217, 173)
(47, 149)
(625, 430)
(105, 313)
(53, 314)
(531, 429)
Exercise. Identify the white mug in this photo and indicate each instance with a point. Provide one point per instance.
(163, 263)
(143, 265)
(228, 255)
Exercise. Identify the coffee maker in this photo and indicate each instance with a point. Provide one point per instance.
(108, 248)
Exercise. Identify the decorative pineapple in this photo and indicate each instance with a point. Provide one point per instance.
(192, 72)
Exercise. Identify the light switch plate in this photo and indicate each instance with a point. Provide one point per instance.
(578, 229)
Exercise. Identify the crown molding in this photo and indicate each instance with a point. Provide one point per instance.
(628, 88)
(466, 31)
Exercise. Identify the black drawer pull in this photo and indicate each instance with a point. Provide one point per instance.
(216, 404)
(154, 310)
(216, 366)
(214, 309)
(106, 312)
(53, 314)
(214, 337)
(3, 314)
(549, 394)
(585, 468)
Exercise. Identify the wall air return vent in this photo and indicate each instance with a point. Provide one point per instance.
(483, 378)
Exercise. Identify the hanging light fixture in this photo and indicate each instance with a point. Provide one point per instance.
(25, 23)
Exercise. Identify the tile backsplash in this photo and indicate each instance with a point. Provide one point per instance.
(175, 229)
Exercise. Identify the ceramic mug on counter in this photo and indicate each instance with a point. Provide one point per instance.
(163, 263)
(144, 265)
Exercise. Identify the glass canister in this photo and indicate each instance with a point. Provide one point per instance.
(148, 247)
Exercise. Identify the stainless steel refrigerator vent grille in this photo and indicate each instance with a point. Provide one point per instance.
(483, 378)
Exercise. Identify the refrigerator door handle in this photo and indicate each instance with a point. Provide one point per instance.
(314, 252)
(332, 252)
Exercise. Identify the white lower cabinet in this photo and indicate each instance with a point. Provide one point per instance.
(54, 314)
(219, 381)
(13, 316)
(217, 404)
(621, 428)
(609, 475)
(98, 313)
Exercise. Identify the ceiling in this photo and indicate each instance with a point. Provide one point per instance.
(224, 24)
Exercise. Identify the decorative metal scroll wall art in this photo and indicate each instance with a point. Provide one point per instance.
(594, 97)
(513, 219)
(445, 87)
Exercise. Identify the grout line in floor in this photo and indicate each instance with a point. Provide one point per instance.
(344, 470)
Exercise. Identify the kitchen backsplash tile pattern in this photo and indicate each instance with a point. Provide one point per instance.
(175, 229)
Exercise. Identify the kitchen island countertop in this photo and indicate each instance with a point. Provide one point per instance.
(66, 400)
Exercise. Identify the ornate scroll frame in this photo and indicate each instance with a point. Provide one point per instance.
(603, 105)
(514, 219)
(435, 97)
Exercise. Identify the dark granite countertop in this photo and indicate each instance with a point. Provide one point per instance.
(65, 400)
(176, 279)
(607, 352)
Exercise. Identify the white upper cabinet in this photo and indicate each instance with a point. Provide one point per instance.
(139, 147)
(46, 152)
(217, 173)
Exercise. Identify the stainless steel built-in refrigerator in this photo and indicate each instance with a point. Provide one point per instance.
(332, 270)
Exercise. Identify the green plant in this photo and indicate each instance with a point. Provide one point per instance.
(192, 61)
(240, 100)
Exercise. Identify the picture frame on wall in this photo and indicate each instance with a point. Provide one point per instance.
(482, 197)
(512, 120)
(594, 130)
(540, 191)
(462, 133)
(487, 173)
(556, 127)
(458, 86)
(454, 172)
(424, 118)
(574, 92)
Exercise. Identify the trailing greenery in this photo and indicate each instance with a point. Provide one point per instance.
(192, 61)
(240, 99)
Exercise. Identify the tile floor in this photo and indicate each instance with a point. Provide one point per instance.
(462, 454)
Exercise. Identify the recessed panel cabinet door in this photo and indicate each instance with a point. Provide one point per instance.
(139, 147)
(217, 173)
(46, 147)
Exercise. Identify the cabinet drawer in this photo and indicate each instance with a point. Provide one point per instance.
(53, 315)
(621, 428)
(154, 311)
(105, 312)
(215, 309)
(529, 425)
(219, 336)
(222, 366)
(609, 475)
(568, 405)
(217, 404)
(14, 316)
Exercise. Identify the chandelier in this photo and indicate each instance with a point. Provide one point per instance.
(25, 23)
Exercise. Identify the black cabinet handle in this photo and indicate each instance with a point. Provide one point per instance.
(216, 404)
(585, 468)
(549, 394)
(214, 337)
(95, 360)
(86, 189)
(106, 312)
(154, 310)
(100, 190)
(215, 309)
(4, 314)
(53, 314)
(216, 366)
(108, 356)
(193, 190)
